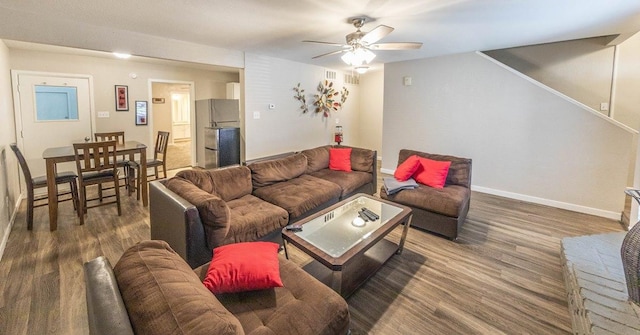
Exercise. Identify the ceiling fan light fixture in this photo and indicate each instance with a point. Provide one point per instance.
(358, 56)
(362, 69)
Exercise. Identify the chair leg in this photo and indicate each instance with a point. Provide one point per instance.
(82, 203)
(100, 191)
(74, 194)
(138, 183)
(30, 203)
(164, 169)
(155, 171)
(118, 195)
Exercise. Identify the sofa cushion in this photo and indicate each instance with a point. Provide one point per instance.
(240, 267)
(362, 159)
(231, 183)
(317, 158)
(228, 183)
(198, 177)
(300, 195)
(340, 159)
(213, 211)
(164, 296)
(252, 218)
(273, 171)
(446, 201)
(431, 172)
(348, 181)
(459, 171)
(302, 306)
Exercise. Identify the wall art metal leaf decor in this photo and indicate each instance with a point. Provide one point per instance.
(300, 97)
(324, 102)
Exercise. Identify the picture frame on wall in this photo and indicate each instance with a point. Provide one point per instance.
(142, 118)
(122, 98)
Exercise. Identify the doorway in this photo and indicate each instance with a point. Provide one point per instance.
(172, 111)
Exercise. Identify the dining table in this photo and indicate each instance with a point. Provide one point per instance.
(53, 156)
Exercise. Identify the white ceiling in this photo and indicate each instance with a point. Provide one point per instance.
(277, 27)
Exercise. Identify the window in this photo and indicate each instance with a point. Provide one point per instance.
(56, 103)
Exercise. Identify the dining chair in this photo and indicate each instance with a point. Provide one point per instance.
(158, 160)
(40, 182)
(96, 164)
(123, 163)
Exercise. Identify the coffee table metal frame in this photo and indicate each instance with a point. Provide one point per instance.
(346, 272)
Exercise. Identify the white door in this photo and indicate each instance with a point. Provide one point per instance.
(53, 111)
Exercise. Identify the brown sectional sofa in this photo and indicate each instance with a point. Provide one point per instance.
(199, 210)
(151, 290)
(441, 211)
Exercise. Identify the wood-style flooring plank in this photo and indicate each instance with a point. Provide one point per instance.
(502, 275)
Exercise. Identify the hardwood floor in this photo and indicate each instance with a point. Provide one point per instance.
(502, 276)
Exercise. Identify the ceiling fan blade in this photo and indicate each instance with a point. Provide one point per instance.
(326, 43)
(330, 53)
(376, 34)
(395, 46)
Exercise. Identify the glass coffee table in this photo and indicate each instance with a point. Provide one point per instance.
(346, 250)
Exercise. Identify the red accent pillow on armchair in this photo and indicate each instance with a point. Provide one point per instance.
(246, 266)
(340, 159)
(432, 173)
(405, 170)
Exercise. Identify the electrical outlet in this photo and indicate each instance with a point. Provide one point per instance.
(103, 114)
(256, 115)
(604, 106)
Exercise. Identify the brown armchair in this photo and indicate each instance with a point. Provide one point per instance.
(441, 211)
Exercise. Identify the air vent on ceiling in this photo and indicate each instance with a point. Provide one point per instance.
(351, 79)
(330, 74)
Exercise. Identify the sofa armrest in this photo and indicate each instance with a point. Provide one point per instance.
(176, 221)
(106, 311)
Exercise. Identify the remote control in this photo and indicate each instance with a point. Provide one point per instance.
(371, 218)
(294, 227)
(363, 216)
(371, 213)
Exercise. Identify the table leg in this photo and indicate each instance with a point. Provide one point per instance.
(143, 177)
(286, 251)
(52, 193)
(404, 235)
(336, 281)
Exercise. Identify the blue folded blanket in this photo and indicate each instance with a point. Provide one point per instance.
(392, 185)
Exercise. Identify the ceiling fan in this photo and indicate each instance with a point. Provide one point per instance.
(357, 51)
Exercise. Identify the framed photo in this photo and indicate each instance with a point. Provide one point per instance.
(122, 98)
(141, 113)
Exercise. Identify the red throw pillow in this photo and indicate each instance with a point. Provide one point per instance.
(432, 173)
(340, 159)
(405, 170)
(240, 267)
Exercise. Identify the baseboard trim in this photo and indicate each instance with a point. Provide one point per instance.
(553, 203)
(12, 220)
(387, 171)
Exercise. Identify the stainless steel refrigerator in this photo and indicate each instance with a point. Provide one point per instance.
(217, 132)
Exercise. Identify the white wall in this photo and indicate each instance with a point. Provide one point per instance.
(525, 141)
(108, 72)
(371, 106)
(9, 172)
(581, 69)
(285, 128)
(627, 85)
